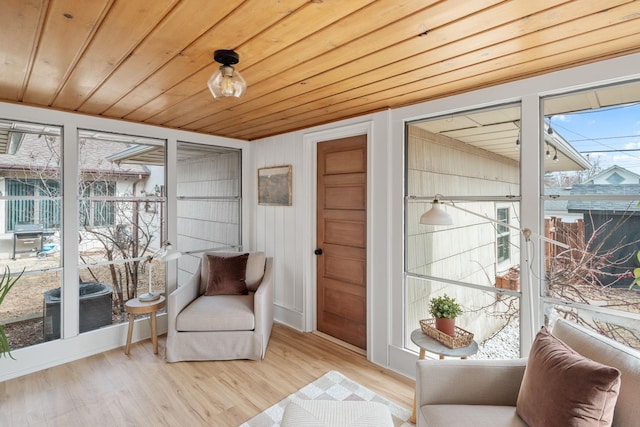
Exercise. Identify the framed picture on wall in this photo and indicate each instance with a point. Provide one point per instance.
(274, 186)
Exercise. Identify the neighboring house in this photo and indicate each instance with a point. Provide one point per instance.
(603, 217)
(31, 179)
(615, 175)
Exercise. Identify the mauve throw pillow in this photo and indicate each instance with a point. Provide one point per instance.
(227, 275)
(561, 388)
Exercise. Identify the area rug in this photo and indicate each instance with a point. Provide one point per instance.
(331, 386)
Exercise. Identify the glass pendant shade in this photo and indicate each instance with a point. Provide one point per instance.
(225, 82)
(436, 216)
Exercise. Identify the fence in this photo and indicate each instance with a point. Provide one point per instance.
(570, 233)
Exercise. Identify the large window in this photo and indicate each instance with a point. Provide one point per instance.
(30, 225)
(121, 211)
(469, 161)
(121, 218)
(591, 198)
(209, 189)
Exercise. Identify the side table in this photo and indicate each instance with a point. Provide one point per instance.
(432, 345)
(135, 306)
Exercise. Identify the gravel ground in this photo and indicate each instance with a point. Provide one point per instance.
(503, 345)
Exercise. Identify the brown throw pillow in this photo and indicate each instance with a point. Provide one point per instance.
(564, 389)
(227, 275)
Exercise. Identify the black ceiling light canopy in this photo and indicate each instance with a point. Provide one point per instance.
(226, 81)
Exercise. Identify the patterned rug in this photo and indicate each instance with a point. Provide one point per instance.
(331, 386)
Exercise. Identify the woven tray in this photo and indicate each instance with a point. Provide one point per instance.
(462, 339)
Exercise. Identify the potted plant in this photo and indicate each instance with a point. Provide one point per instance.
(6, 283)
(445, 309)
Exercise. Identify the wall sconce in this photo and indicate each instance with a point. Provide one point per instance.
(226, 81)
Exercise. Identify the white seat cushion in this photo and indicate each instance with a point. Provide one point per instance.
(217, 313)
(325, 413)
(471, 415)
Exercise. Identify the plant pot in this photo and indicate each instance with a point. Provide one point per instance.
(447, 326)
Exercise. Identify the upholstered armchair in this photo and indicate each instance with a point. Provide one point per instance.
(568, 374)
(210, 318)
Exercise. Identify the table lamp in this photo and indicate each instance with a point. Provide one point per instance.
(166, 253)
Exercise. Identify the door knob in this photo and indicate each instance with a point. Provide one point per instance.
(318, 251)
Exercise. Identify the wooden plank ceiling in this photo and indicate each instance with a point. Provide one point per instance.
(305, 62)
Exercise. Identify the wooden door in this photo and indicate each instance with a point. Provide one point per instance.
(342, 239)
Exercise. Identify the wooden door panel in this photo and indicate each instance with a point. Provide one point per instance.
(352, 233)
(346, 161)
(345, 191)
(342, 235)
(343, 301)
(345, 197)
(354, 333)
(350, 270)
(346, 228)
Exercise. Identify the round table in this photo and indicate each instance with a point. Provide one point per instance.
(135, 306)
(432, 345)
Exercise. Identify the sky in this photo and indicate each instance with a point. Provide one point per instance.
(607, 129)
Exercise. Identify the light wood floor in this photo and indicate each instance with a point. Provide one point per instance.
(111, 389)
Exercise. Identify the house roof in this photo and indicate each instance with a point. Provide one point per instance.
(305, 62)
(611, 206)
(36, 153)
(497, 130)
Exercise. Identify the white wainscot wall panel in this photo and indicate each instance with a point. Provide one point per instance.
(278, 228)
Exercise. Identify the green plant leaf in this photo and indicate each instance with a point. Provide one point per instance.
(6, 283)
(444, 307)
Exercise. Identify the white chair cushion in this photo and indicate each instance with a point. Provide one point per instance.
(255, 270)
(218, 313)
(316, 413)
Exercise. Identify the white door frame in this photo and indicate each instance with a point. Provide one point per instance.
(310, 158)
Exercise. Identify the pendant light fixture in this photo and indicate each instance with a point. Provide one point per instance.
(226, 81)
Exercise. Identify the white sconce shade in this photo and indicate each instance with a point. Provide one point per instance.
(436, 215)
